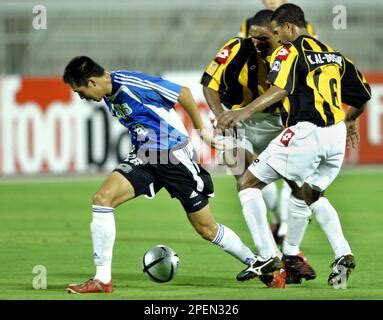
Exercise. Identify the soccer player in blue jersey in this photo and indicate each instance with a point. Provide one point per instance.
(162, 156)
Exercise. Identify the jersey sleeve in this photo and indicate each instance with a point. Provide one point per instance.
(283, 72)
(213, 74)
(355, 89)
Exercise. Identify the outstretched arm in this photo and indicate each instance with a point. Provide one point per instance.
(272, 95)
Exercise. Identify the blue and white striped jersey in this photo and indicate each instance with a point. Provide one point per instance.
(145, 105)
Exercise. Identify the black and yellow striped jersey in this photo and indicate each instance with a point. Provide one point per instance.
(238, 73)
(245, 27)
(318, 79)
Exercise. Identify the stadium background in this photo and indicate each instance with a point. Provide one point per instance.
(46, 131)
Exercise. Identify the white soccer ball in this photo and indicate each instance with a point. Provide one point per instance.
(160, 263)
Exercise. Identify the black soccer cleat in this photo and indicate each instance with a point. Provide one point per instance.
(297, 268)
(258, 268)
(341, 269)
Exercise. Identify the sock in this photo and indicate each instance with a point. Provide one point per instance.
(284, 202)
(231, 243)
(270, 196)
(299, 214)
(328, 219)
(103, 231)
(255, 213)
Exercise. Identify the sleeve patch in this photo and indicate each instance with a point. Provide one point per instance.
(283, 53)
(223, 55)
(276, 66)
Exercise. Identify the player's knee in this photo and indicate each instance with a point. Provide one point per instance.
(247, 180)
(102, 198)
(208, 232)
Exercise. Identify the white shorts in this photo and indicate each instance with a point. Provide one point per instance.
(303, 153)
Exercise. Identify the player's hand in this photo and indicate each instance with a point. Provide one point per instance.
(228, 119)
(353, 137)
(208, 136)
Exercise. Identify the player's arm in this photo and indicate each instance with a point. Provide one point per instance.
(355, 92)
(213, 100)
(273, 95)
(188, 103)
(282, 78)
(353, 137)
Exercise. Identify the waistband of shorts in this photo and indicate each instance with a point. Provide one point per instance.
(308, 124)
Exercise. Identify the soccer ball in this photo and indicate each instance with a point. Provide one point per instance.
(160, 263)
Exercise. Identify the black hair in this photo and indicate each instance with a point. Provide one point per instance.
(262, 18)
(291, 13)
(80, 69)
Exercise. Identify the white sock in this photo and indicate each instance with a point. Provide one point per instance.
(328, 219)
(270, 196)
(255, 213)
(231, 243)
(299, 214)
(284, 202)
(103, 231)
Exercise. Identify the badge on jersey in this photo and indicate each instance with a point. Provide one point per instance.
(223, 55)
(276, 66)
(286, 137)
(283, 53)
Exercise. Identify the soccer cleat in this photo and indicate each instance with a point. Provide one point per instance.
(275, 280)
(297, 268)
(91, 286)
(257, 268)
(341, 269)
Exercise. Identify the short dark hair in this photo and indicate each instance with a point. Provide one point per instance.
(291, 13)
(80, 69)
(262, 18)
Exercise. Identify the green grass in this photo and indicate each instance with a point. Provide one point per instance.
(47, 223)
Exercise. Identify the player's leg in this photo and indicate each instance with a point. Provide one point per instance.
(115, 190)
(126, 182)
(325, 213)
(237, 161)
(191, 184)
(296, 264)
(254, 208)
(283, 207)
(244, 156)
(260, 130)
(328, 219)
(255, 213)
(204, 223)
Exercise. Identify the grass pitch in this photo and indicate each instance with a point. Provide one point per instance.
(46, 223)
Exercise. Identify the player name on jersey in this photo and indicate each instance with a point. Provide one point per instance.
(320, 58)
